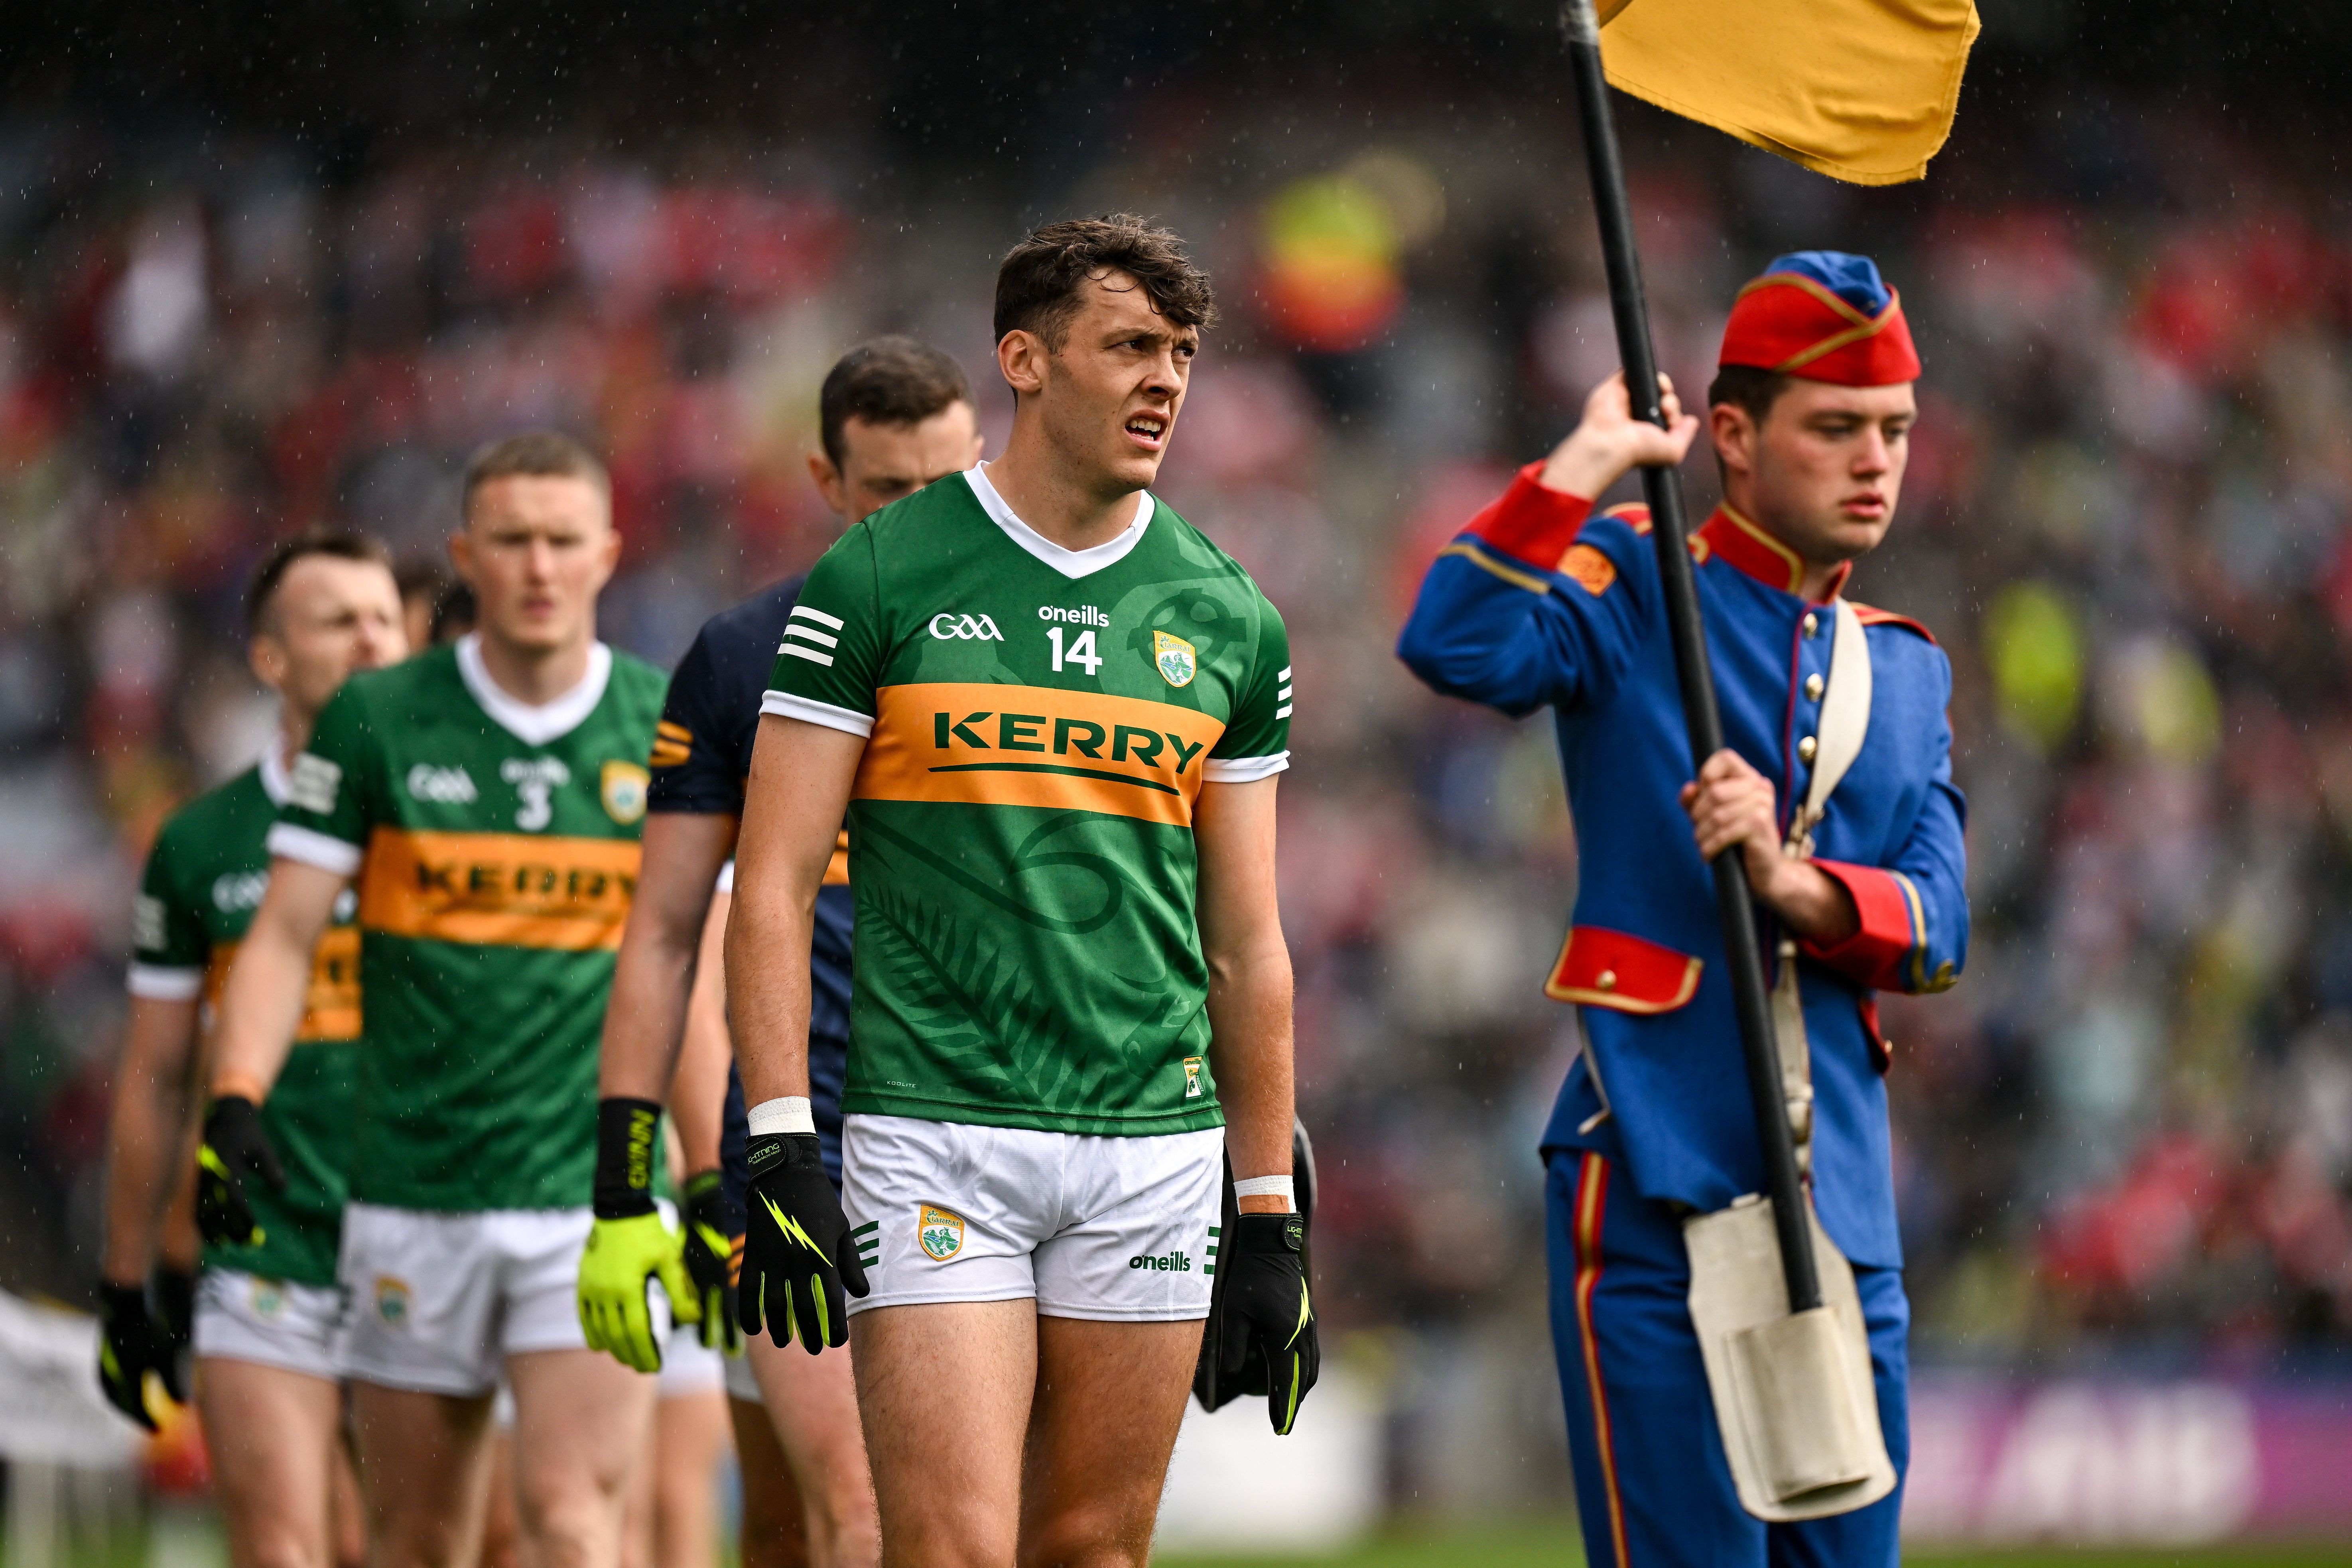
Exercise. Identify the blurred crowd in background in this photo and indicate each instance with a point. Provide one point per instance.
(2130, 1126)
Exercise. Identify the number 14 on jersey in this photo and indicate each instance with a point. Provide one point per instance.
(1080, 652)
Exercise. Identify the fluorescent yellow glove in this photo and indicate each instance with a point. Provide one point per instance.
(623, 1257)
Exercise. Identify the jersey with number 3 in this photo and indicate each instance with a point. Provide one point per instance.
(1039, 722)
(495, 849)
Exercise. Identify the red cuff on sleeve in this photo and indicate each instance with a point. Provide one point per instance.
(1874, 954)
(1531, 523)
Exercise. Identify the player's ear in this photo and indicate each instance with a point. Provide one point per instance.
(826, 475)
(461, 557)
(266, 656)
(1020, 358)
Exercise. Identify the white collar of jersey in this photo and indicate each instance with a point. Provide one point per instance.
(1061, 558)
(535, 724)
(273, 770)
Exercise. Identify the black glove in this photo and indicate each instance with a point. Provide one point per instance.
(129, 1346)
(176, 1320)
(1266, 1308)
(796, 1259)
(709, 1259)
(235, 1147)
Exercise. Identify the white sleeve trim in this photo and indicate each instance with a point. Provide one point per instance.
(1243, 770)
(156, 982)
(808, 709)
(312, 848)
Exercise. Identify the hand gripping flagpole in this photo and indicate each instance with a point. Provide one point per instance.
(1663, 490)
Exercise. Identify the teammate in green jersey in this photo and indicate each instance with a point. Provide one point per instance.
(1054, 713)
(264, 1318)
(485, 797)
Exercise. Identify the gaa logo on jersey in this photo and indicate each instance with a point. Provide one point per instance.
(1192, 1067)
(441, 786)
(392, 1301)
(1176, 659)
(941, 1232)
(947, 623)
(624, 791)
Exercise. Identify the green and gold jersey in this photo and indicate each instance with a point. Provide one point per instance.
(204, 880)
(1039, 725)
(495, 849)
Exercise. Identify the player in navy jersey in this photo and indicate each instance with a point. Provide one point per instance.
(895, 415)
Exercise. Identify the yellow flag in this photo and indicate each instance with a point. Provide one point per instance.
(1860, 89)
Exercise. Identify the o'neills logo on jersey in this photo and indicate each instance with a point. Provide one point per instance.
(498, 890)
(1036, 745)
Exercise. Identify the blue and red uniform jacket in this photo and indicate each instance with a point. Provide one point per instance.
(1539, 603)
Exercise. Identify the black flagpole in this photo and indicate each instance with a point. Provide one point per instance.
(1663, 492)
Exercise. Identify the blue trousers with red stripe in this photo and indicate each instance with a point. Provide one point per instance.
(1653, 1487)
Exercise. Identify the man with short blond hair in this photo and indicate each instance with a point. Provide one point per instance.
(484, 798)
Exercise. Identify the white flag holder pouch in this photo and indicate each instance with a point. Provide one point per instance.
(1793, 1392)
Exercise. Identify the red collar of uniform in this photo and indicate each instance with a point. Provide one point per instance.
(1747, 546)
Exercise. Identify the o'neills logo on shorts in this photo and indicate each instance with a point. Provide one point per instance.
(1167, 1263)
(941, 1232)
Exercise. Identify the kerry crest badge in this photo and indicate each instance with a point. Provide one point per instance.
(1175, 658)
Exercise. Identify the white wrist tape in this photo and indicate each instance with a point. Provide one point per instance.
(789, 1113)
(1281, 1187)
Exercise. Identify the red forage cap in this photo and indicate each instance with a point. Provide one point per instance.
(1825, 316)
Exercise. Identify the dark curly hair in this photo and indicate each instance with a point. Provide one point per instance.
(1037, 282)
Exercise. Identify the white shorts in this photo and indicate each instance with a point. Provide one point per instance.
(1122, 1229)
(243, 1317)
(438, 1302)
(689, 1366)
(741, 1384)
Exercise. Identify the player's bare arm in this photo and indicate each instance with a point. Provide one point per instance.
(698, 1088)
(654, 973)
(792, 807)
(1249, 980)
(260, 1011)
(146, 1137)
(261, 1002)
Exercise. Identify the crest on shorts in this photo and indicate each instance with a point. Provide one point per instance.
(625, 791)
(392, 1301)
(941, 1232)
(268, 1297)
(1192, 1066)
(1175, 658)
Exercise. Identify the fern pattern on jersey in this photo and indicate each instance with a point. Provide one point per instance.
(969, 992)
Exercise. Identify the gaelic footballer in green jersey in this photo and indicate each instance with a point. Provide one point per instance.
(494, 848)
(1039, 723)
(204, 880)
(265, 1315)
(1054, 723)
